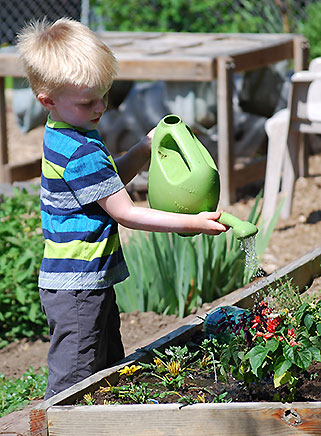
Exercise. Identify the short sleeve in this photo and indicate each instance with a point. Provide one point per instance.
(91, 173)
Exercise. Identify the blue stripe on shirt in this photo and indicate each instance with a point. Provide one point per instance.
(74, 223)
(88, 166)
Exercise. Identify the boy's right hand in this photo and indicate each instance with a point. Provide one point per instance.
(209, 224)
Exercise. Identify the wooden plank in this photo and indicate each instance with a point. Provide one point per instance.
(243, 419)
(225, 70)
(246, 173)
(256, 58)
(161, 67)
(301, 53)
(10, 65)
(302, 271)
(23, 171)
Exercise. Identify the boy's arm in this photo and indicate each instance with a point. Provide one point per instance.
(126, 213)
(129, 164)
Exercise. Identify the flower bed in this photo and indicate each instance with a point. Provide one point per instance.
(268, 353)
(61, 416)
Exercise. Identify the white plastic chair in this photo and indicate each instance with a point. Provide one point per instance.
(284, 130)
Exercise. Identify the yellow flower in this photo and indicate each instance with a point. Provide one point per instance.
(174, 368)
(129, 370)
(201, 398)
(159, 364)
(104, 389)
(205, 361)
(89, 399)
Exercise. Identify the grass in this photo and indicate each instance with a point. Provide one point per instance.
(16, 393)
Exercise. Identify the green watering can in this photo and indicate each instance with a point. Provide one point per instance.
(183, 177)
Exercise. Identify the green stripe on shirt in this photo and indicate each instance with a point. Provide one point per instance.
(81, 250)
(51, 170)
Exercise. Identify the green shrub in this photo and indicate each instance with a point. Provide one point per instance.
(21, 249)
(310, 28)
(183, 15)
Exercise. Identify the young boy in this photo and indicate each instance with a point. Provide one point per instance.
(83, 198)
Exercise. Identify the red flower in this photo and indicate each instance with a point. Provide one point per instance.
(291, 333)
(272, 324)
(265, 308)
(293, 343)
(256, 321)
(268, 336)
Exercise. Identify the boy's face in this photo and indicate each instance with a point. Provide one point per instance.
(79, 106)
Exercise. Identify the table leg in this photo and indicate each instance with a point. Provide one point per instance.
(301, 51)
(225, 127)
(3, 132)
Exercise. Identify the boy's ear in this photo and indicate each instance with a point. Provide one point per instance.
(46, 101)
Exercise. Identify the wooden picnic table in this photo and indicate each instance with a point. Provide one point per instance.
(196, 57)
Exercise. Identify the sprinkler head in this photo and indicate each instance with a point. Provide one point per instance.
(241, 229)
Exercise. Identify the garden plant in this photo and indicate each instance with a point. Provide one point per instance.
(16, 393)
(269, 353)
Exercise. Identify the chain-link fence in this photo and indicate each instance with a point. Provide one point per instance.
(15, 13)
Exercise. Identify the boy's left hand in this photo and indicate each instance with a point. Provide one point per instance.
(146, 142)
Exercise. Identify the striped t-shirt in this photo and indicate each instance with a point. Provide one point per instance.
(82, 247)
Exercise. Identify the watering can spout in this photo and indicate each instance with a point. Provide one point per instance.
(241, 229)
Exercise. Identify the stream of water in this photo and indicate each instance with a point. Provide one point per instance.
(251, 259)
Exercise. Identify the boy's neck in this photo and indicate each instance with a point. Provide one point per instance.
(62, 125)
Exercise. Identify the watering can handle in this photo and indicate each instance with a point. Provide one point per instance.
(180, 132)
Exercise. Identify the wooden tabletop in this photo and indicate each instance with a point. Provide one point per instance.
(198, 57)
(193, 56)
(181, 56)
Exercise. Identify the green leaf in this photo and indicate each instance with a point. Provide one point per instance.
(316, 354)
(281, 366)
(256, 357)
(272, 345)
(20, 294)
(303, 358)
(289, 353)
(282, 379)
(33, 312)
(308, 321)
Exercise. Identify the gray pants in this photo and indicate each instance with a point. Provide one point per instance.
(84, 335)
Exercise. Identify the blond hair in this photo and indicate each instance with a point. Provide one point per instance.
(64, 52)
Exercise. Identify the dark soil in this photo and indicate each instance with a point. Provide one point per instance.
(202, 383)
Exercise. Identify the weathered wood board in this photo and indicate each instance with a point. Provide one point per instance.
(59, 417)
(250, 419)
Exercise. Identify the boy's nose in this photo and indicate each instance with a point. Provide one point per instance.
(101, 106)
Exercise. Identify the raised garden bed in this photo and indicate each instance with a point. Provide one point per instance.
(59, 416)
